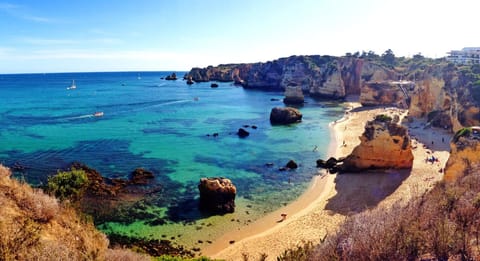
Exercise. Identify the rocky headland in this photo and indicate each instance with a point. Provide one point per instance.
(443, 92)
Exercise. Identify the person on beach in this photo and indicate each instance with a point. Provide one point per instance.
(284, 216)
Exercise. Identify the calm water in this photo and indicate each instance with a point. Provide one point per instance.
(162, 126)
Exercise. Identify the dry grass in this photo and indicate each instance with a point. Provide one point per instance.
(120, 254)
(443, 224)
(35, 226)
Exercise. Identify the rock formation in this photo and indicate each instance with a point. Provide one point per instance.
(291, 164)
(217, 195)
(464, 154)
(171, 77)
(293, 95)
(384, 144)
(242, 133)
(451, 92)
(388, 93)
(141, 176)
(286, 115)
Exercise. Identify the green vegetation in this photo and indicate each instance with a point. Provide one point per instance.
(68, 184)
(383, 118)
(462, 132)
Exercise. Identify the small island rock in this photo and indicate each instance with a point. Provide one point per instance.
(217, 194)
(286, 115)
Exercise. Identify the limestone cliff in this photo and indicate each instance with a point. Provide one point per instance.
(446, 93)
(384, 144)
(389, 93)
(325, 76)
(464, 154)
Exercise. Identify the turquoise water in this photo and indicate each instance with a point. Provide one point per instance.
(162, 126)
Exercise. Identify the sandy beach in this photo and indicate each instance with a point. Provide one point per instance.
(331, 198)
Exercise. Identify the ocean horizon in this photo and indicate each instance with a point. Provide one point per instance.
(165, 127)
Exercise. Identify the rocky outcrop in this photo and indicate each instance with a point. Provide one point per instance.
(141, 176)
(384, 144)
(389, 93)
(217, 195)
(287, 115)
(438, 86)
(171, 77)
(242, 133)
(293, 95)
(325, 76)
(464, 154)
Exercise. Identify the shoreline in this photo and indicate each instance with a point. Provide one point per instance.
(331, 198)
(320, 189)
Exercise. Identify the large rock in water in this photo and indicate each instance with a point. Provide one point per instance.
(464, 154)
(293, 94)
(384, 145)
(217, 195)
(286, 115)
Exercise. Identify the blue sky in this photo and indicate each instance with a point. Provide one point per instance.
(119, 35)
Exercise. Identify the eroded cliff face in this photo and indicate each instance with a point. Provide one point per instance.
(387, 93)
(384, 144)
(441, 91)
(464, 154)
(325, 76)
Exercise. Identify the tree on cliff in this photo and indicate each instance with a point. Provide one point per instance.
(388, 57)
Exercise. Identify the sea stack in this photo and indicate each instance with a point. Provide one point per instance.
(385, 144)
(287, 115)
(217, 195)
(293, 94)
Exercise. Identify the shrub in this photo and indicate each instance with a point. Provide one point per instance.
(383, 118)
(462, 132)
(68, 184)
(121, 254)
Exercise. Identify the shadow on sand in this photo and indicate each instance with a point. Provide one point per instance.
(360, 191)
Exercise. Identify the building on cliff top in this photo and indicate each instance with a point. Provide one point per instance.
(468, 55)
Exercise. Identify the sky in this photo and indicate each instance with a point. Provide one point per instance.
(41, 36)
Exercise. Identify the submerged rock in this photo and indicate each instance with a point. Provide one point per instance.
(286, 115)
(141, 176)
(214, 85)
(217, 195)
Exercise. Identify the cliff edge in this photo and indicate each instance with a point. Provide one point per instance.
(464, 154)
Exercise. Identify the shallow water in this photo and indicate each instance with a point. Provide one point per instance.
(162, 126)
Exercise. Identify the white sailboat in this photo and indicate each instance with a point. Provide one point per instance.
(73, 86)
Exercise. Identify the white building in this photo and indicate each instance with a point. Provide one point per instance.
(468, 55)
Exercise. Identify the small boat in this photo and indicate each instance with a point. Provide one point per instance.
(73, 86)
(98, 114)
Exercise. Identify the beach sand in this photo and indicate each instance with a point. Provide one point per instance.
(331, 198)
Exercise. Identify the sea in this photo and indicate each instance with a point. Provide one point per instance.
(166, 127)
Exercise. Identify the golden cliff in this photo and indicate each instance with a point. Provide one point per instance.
(448, 94)
(384, 144)
(464, 154)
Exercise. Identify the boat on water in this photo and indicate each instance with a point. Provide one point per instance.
(73, 86)
(98, 114)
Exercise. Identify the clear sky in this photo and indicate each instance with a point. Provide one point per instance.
(119, 35)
